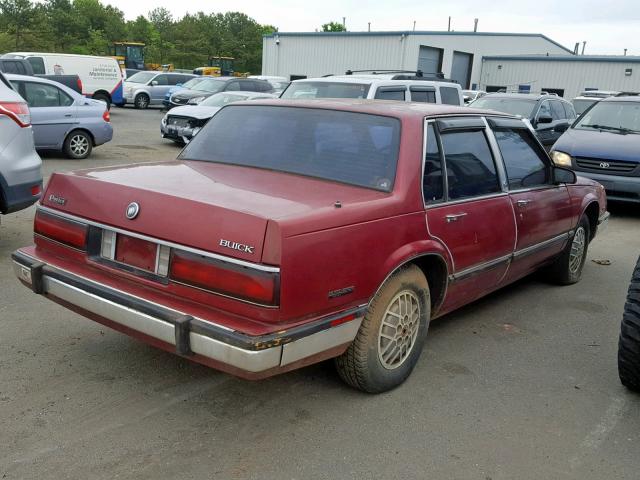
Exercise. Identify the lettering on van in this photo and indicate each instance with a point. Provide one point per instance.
(104, 71)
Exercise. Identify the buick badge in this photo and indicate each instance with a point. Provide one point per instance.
(132, 210)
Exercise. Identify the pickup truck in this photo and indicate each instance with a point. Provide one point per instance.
(291, 232)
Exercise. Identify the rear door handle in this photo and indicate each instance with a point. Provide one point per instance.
(523, 203)
(68, 115)
(453, 217)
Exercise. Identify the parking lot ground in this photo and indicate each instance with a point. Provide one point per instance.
(520, 385)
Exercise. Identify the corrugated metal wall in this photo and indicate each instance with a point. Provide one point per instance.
(315, 55)
(572, 77)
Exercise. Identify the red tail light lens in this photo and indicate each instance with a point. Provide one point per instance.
(16, 111)
(106, 116)
(221, 277)
(80, 85)
(61, 230)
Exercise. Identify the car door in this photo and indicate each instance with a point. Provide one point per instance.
(158, 88)
(53, 113)
(544, 129)
(559, 116)
(467, 209)
(542, 210)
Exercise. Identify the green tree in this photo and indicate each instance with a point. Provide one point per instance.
(15, 17)
(333, 27)
(162, 20)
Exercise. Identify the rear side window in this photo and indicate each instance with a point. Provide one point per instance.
(232, 87)
(449, 96)
(37, 64)
(8, 66)
(346, 147)
(432, 180)
(423, 95)
(390, 94)
(471, 171)
(522, 159)
(325, 90)
(44, 95)
(174, 79)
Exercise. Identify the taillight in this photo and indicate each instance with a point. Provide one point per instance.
(225, 278)
(80, 85)
(61, 230)
(36, 190)
(16, 111)
(106, 117)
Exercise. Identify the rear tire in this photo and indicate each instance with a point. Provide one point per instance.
(393, 331)
(629, 342)
(141, 101)
(78, 145)
(104, 97)
(567, 268)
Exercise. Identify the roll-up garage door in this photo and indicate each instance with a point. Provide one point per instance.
(430, 60)
(461, 68)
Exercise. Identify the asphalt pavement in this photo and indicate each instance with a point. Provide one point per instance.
(520, 385)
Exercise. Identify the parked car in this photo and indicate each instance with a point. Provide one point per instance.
(144, 89)
(629, 342)
(604, 144)
(278, 83)
(212, 85)
(391, 86)
(549, 115)
(63, 119)
(332, 233)
(20, 165)
(471, 95)
(101, 77)
(182, 123)
(187, 85)
(587, 98)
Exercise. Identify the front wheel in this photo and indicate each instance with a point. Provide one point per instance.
(78, 145)
(392, 334)
(142, 101)
(629, 342)
(567, 268)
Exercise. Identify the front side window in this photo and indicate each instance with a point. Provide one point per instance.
(390, 94)
(162, 80)
(43, 95)
(557, 111)
(522, 159)
(432, 180)
(353, 148)
(545, 110)
(449, 96)
(471, 171)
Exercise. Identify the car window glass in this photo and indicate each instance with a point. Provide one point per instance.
(37, 64)
(525, 166)
(161, 79)
(557, 112)
(248, 85)
(44, 95)
(449, 96)
(569, 111)
(233, 86)
(470, 168)
(423, 95)
(9, 67)
(545, 110)
(390, 94)
(174, 79)
(432, 180)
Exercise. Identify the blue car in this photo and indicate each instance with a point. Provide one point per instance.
(604, 144)
(61, 118)
(190, 84)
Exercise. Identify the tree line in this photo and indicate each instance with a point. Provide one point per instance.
(88, 27)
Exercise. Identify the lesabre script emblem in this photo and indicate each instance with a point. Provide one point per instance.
(241, 247)
(132, 210)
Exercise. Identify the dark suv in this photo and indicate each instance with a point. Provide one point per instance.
(604, 144)
(205, 89)
(549, 115)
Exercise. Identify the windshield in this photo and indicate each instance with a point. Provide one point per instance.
(581, 105)
(210, 85)
(620, 116)
(193, 82)
(221, 99)
(141, 77)
(325, 90)
(513, 106)
(353, 148)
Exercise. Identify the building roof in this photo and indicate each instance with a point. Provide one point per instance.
(412, 32)
(567, 58)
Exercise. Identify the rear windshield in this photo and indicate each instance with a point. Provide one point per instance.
(353, 148)
(513, 106)
(141, 77)
(325, 90)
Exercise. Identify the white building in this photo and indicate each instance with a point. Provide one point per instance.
(566, 75)
(456, 54)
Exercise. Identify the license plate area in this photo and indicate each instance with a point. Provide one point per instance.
(134, 254)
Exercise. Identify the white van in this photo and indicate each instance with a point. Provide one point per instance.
(101, 77)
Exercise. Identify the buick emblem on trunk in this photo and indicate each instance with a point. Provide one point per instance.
(241, 247)
(604, 165)
(132, 210)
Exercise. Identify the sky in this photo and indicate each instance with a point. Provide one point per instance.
(607, 27)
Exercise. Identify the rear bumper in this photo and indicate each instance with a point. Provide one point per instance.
(618, 188)
(17, 197)
(202, 341)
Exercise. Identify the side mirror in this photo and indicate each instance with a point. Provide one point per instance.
(563, 175)
(544, 119)
(154, 83)
(561, 127)
(178, 84)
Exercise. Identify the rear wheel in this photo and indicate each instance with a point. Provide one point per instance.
(142, 101)
(629, 342)
(567, 268)
(104, 97)
(78, 145)
(392, 334)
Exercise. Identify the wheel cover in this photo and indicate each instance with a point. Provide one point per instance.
(79, 145)
(399, 329)
(142, 101)
(577, 250)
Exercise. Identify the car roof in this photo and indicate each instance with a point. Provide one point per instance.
(628, 98)
(524, 96)
(370, 79)
(390, 108)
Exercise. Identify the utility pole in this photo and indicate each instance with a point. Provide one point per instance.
(475, 25)
(449, 27)
(369, 28)
(584, 44)
(344, 22)
(625, 52)
(414, 25)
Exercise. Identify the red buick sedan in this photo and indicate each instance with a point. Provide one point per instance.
(290, 232)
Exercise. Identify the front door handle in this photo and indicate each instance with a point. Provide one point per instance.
(523, 203)
(455, 216)
(68, 115)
